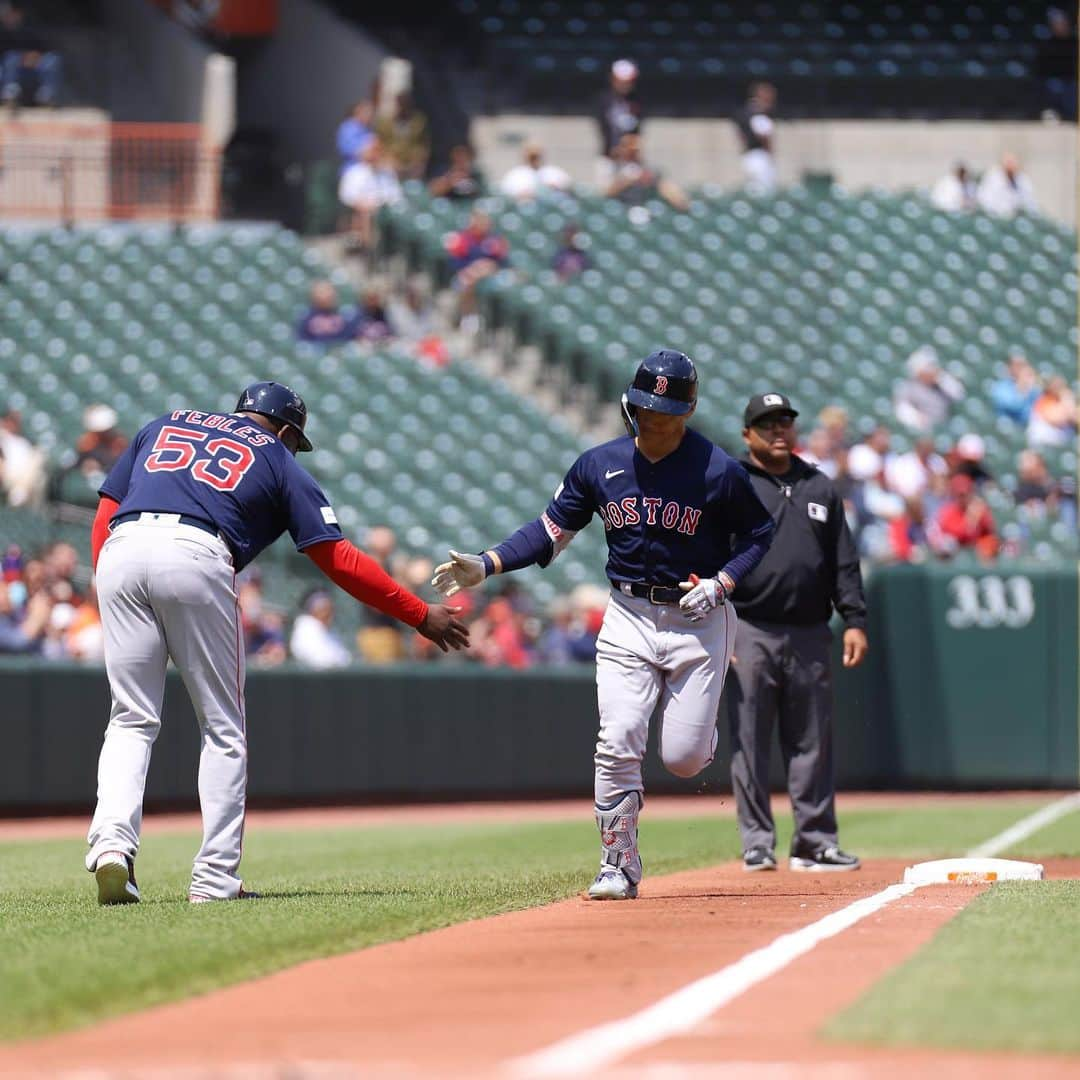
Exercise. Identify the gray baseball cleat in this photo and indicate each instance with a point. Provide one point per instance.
(612, 885)
(115, 875)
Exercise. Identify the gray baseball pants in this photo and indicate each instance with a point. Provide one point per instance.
(649, 655)
(168, 590)
(781, 677)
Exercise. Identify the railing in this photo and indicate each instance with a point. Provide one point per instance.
(102, 171)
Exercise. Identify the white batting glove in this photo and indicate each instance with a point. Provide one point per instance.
(703, 595)
(461, 572)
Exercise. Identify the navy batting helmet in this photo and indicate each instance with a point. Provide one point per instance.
(666, 381)
(278, 402)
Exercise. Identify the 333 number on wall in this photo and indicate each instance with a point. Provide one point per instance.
(990, 601)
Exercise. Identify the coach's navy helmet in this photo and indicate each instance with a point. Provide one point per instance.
(666, 382)
(278, 402)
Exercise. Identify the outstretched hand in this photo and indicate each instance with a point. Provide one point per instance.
(441, 626)
(461, 572)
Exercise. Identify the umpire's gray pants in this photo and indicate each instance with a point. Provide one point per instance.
(781, 677)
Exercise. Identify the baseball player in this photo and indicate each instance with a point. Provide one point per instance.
(683, 525)
(195, 497)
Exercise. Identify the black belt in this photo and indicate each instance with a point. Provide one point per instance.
(184, 519)
(655, 594)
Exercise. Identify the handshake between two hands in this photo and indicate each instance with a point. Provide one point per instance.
(467, 571)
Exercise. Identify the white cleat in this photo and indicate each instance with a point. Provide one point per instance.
(612, 885)
(115, 874)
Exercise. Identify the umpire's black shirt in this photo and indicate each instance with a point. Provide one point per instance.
(812, 565)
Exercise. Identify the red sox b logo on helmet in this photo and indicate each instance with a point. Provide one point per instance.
(661, 384)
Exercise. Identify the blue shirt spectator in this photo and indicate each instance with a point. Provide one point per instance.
(1014, 395)
(324, 323)
(354, 133)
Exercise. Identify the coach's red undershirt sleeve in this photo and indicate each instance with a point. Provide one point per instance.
(362, 577)
(99, 531)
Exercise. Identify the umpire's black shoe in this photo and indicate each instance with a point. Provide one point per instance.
(758, 858)
(830, 858)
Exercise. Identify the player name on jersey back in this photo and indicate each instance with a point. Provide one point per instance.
(232, 425)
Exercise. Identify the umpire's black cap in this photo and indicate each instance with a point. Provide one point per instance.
(765, 405)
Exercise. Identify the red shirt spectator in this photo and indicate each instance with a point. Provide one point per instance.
(965, 521)
(475, 242)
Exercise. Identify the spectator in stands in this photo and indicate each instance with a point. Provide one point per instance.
(498, 637)
(532, 179)
(1057, 64)
(1035, 488)
(405, 134)
(1014, 394)
(354, 133)
(627, 178)
(909, 532)
(366, 187)
(371, 322)
(964, 521)
(572, 255)
(589, 603)
(22, 465)
(956, 191)
(412, 315)
(911, 474)
(324, 323)
(100, 445)
(968, 458)
(1005, 191)
(30, 71)
(863, 485)
(476, 252)
(463, 179)
(620, 110)
(1054, 415)
(23, 626)
(313, 642)
(83, 638)
(924, 400)
(263, 630)
(834, 420)
(756, 123)
(379, 640)
(817, 450)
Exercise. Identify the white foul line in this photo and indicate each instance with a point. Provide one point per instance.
(690, 1005)
(687, 1007)
(1025, 827)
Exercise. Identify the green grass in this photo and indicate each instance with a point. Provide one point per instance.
(325, 892)
(338, 890)
(1000, 976)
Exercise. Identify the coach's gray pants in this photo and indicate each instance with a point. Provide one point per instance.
(168, 590)
(781, 677)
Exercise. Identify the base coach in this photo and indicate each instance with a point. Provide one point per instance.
(781, 674)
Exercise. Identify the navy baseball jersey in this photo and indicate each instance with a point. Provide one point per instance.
(692, 512)
(227, 471)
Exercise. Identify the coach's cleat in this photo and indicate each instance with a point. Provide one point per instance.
(201, 898)
(827, 859)
(759, 858)
(612, 885)
(115, 874)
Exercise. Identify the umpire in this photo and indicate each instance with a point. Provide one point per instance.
(781, 672)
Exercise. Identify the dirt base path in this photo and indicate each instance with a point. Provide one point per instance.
(464, 1001)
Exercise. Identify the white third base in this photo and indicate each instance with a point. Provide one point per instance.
(971, 871)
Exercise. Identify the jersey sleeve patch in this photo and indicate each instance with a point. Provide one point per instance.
(328, 515)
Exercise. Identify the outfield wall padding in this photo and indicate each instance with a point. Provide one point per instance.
(971, 682)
